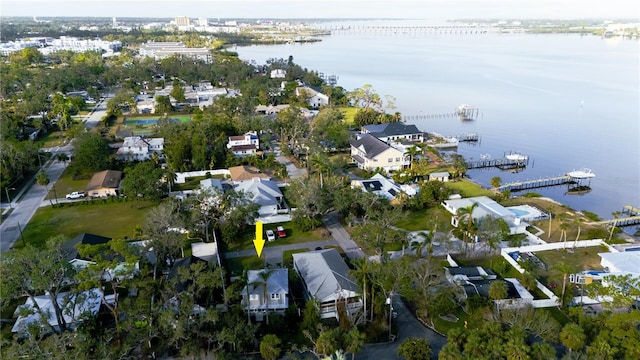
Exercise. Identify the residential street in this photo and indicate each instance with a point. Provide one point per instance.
(32, 196)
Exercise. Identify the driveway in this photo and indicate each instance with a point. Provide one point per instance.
(292, 170)
(338, 232)
(408, 326)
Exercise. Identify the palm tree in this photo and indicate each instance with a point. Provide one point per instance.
(565, 269)
(466, 214)
(616, 215)
(362, 273)
(496, 181)
(356, 341)
(563, 226)
(245, 280)
(42, 179)
(577, 221)
(63, 157)
(263, 278)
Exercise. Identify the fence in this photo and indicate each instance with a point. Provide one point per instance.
(181, 178)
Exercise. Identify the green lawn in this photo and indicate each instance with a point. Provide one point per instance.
(417, 220)
(236, 266)
(114, 220)
(193, 183)
(55, 138)
(468, 188)
(293, 237)
(66, 184)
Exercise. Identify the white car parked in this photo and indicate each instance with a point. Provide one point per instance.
(271, 236)
(75, 195)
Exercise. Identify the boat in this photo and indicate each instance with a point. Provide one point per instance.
(516, 157)
(449, 142)
(583, 173)
(466, 112)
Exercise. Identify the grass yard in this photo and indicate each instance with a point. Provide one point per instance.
(468, 188)
(52, 139)
(418, 220)
(580, 259)
(193, 183)
(287, 256)
(293, 237)
(66, 184)
(114, 220)
(236, 266)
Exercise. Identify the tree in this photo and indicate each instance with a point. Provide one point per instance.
(29, 272)
(565, 269)
(177, 92)
(498, 290)
(144, 180)
(355, 341)
(262, 281)
(63, 157)
(270, 347)
(572, 336)
(163, 105)
(415, 349)
(496, 181)
(616, 215)
(91, 154)
(42, 179)
(361, 273)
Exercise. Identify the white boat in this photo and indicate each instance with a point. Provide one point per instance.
(516, 157)
(449, 142)
(583, 173)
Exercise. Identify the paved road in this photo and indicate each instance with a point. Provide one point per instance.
(32, 196)
(408, 326)
(273, 253)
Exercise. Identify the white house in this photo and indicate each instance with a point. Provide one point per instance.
(382, 186)
(244, 145)
(278, 73)
(326, 278)
(277, 292)
(75, 308)
(485, 207)
(265, 193)
(314, 98)
(370, 153)
(138, 148)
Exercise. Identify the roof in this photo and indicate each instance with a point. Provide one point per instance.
(72, 306)
(486, 206)
(439, 174)
(243, 172)
(262, 192)
(627, 261)
(105, 179)
(70, 247)
(277, 283)
(390, 129)
(483, 286)
(325, 273)
(372, 146)
(211, 183)
(205, 251)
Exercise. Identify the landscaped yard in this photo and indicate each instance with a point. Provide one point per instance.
(467, 188)
(236, 266)
(114, 220)
(66, 184)
(418, 220)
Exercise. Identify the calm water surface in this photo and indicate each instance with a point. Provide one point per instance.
(566, 101)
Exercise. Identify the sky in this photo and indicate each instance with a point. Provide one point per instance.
(265, 9)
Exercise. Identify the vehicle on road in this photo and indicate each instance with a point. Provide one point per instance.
(75, 195)
(271, 236)
(281, 232)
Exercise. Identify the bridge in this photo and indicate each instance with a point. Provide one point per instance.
(409, 30)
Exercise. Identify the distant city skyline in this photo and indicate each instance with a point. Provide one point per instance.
(282, 9)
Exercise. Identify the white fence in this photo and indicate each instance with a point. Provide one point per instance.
(181, 178)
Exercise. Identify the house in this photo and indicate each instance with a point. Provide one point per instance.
(278, 73)
(325, 277)
(121, 270)
(370, 153)
(104, 183)
(206, 251)
(265, 193)
(621, 263)
(277, 294)
(139, 148)
(394, 132)
(70, 248)
(314, 98)
(442, 176)
(244, 173)
(384, 187)
(215, 185)
(75, 309)
(244, 145)
(485, 207)
(476, 280)
(145, 104)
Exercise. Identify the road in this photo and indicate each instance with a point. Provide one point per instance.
(32, 196)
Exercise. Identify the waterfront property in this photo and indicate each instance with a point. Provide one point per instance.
(384, 187)
(369, 153)
(394, 132)
(326, 278)
(487, 207)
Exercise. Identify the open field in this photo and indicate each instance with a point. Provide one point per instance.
(111, 219)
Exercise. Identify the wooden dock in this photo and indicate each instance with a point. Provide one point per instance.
(537, 183)
(625, 221)
(502, 163)
(631, 210)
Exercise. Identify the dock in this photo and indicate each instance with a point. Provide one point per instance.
(467, 112)
(501, 163)
(468, 137)
(624, 221)
(537, 183)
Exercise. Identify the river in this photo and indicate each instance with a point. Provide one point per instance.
(566, 101)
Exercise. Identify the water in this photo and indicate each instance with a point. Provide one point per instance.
(566, 101)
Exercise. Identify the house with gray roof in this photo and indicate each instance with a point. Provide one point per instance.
(325, 277)
(394, 132)
(486, 207)
(369, 153)
(277, 294)
(265, 193)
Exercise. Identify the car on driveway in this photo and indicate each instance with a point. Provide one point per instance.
(281, 232)
(75, 195)
(271, 235)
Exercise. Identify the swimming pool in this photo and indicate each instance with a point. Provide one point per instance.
(527, 212)
(519, 212)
